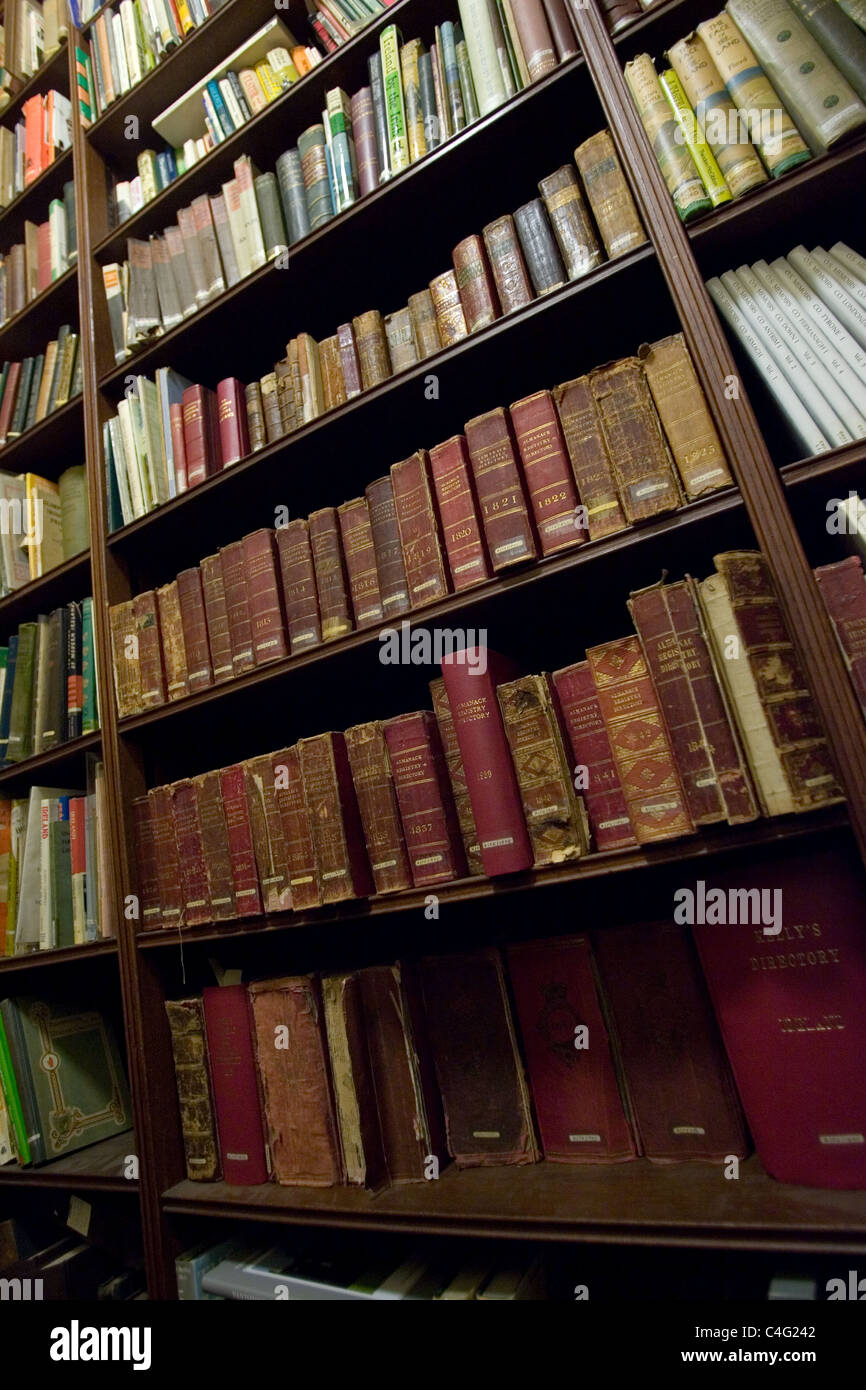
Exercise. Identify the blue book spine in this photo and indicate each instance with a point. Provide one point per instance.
(225, 120)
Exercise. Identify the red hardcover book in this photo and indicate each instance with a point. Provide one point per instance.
(232, 416)
(233, 566)
(682, 1095)
(178, 446)
(264, 597)
(248, 899)
(299, 585)
(194, 621)
(235, 1084)
(200, 434)
(578, 1105)
(349, 360)
(484, 1093)
(364, 129)
(167, 862)
(393, 588)
(458, 513)
(33, 112)
(9, 394)
(150, 914)
(592, 759)
(475, 283)
(338, 836)
(217, 617)
(332, 585)
(195, 893)
(377, 802)
(215, 846)
(149, 650)
(360, 553)
(424, 796)
(471, 678)
(43, 250)
(547, 470)
(418, 526)
(788, 985)
(844, 592)
(504, 510)
(297, 830)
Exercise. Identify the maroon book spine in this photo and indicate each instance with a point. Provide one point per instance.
(458, 513)
(237, 607)
(248, 899)
(547, 470)
(167, 862)
(200, 434)
(149, 650)
(332, 586)
(216, 614)
(504, 511)
(232, 416)
(360, 553)
(235, 1084)
(364, 131)
(393, 588)
(349, 360)
(562, 29)
(490, 777)
(148, 868)
(418, 526)
(594, 768)
(215, 846)
(843, 590)
(297, 831)
(190, 854)
(338, 835)
(475, 283)
(424, 796)
(299, 585)
(263, 592)
(194, 622)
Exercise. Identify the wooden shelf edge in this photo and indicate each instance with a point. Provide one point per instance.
(9, 211)
(29, 436)
(41, 762)
(86, 1170)
(62, 955)
(38, 305)
(824, 465)
(30, 592)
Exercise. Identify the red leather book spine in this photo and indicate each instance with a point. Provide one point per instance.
(232, 564)
(349, 360)
(235, 1084)
(580, 1112)
(458, 513)
(248, 899)
(150, 914)
(844, 592)
(639, 741)
(192, 614)
(198, 434)
(393, 588)
(592, 757)
(331, 582)
(338, 836)
(232, 416)
(504, 511)
(190, 854)
(475, 283)
(264, 597)
(178, 446)
(547, 470)
(490, 777)
(297, 830)
(423, 790)
(272, 858)
(299, 585)
(9, 395)
(418, 526)
(377, 803)
(167, 862)
(216, 614)
(215, 846)
(149, 650)
(360, 553)
(364, 129)
(456, 776)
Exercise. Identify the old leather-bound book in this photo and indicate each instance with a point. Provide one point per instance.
(171, 634)
(127, 672)
(147, 879)
(424, 326)
(548, 473)
(685, 415)
(332, 585)
(349, 360)
(372, 347)
(510, 274)
(351, 1072)
(590, 461)
(194, 623)
(504, 509)
(333, 385)
(241, 850)
(377, 802)
(215, 846)
(338, 836)
(234, 434)
(572, 1072)
(592, 758)
(296, 1087)
(546, 269)
(682, 1094)
(267, 830)
(195, 891)
(555, 815)
(639, 741)
(165, 853)
(450, 318)
(571, 222)
(152, 676)
(233, 565)
(299, 585)
(360, 553)
(393, 589)
(844, 593)
(401, 340)
(297, 830)
(458, 513)
(194, 1091)
(255, 416)
(418, 527)
(273, 419)
(264, 594)
(430, 827)
(475, 283)
(234, 1074)
(457, 776)
(478, 1065)
(609, 195)
(642, 464)
(217, 617)
(490, 778)
(200, 434)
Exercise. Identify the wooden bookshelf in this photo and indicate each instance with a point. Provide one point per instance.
(98, 1168)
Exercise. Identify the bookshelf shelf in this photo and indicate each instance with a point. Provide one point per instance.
(28, 452)
(54, 73)
(58, 761)
(63, 584)
(35, 197)
(62, 955)
(98, 1168)
(57, 303)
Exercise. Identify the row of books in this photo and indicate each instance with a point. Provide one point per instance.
(594, 1048)
(843, 589)
(34, 30)
(628, 442)
(49, 693)
(45, 523)
(47, 252)
(801, 321)
(62, 1080)
(32, 145)
(35, 388)
(753, 93)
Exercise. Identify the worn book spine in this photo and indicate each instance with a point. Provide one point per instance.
(360, 554)
(195, 893)
(535, 38)
(657, 117)
(171, 635)
(215, 846)
(377, 802)
(233, 567)
(459, 517)
(332, 586)
(424, 326)
(457, 777)
(149, 650)
(297, 830)
(299, 585)
(349, 360)
(717, 115)
(685, 415)
(241, 851)
(372, 349)
(540, 250)
(393, 586)
(264, 596)
(124, 657)
(416, 139)
(194, 1090)
(555, 816)
(418, 527)
(271, 407)
(284, 396)
(199, 672)
(593, 767)
(338, 836)
(147, 880)
(475, 283)
(639, 741)
(510, 274)
(166, 856)
(432, 834)
(450, 318)
(571, 222)
(235, 1084)
(547, 472)
(843, 590)
(255, 416)
(609, 195)
(590, 460)
(504, 511)
(642, 464)
(216, 615)
(333, 385)
(401, 339)
(366, 152)
(309, 367)
(290, 176)
(314, 167)
(267, 833)
(354, 1094)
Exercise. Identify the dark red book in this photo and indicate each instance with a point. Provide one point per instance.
(215, 846)
(843, 590)
(360, 553)
(150, 915)
(484, 1093)
(178, 445)
(216, 615)
(264, 597)
(235, 1084)
(790, 1006)
(430, 825)
(682, 1096)
(418, 526)
(248, 898)
(195, 893)
(297, 831)
(338, 835)
(504, 507)
(475, 283)
(149, 650)
(471, 678)
(194, 620)
(200, 434)
(393, 589)
(9, 394)
(299, 585)
(233, 566)
(462, 531)
(577, 1099)
(167, 862)
(332, 584)
(547, 471)
(592, 758)
(234, 433)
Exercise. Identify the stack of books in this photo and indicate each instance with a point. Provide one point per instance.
(47, 252)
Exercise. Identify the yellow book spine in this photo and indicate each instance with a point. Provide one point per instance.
(692, 137)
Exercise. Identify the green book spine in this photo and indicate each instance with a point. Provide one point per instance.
(467, 86)
(4, 374)
(23, 401)
(38, 365)
(21, 718)
(89, 718)
(13, 1099)
(392, 87)
(10, 1013)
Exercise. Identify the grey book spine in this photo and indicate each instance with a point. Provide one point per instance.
(839, 37)
(430, 115)
(540, 251)
(182, 272)
(293, 195)
(23, 399)
(271, 215)
(571, 222)
(166, 287)
(313, 150)
(63, 333)
(380, 116)
(69, 208)
(38, 366)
